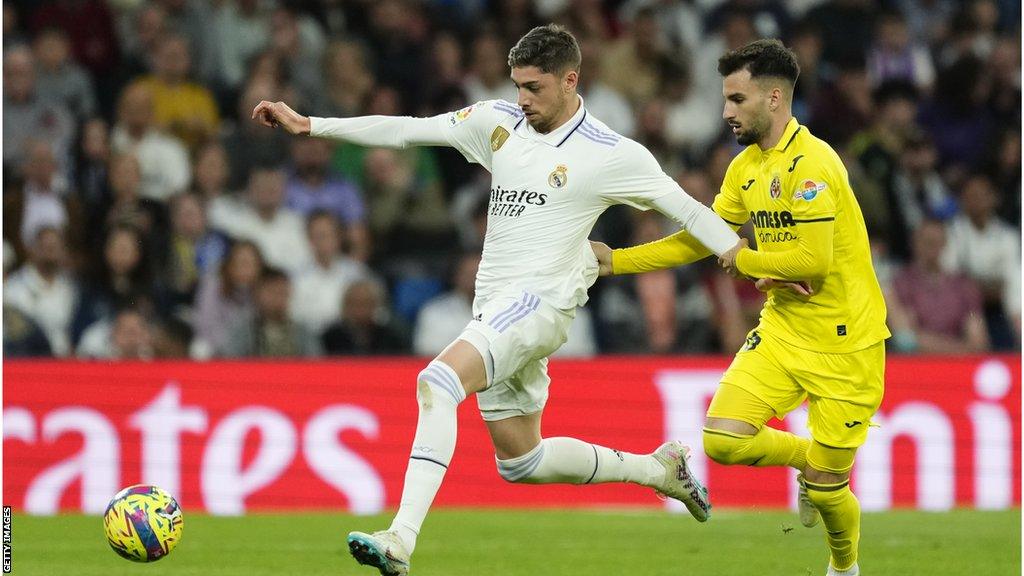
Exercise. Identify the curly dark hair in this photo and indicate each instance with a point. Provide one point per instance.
(762, 58)
(551, 48)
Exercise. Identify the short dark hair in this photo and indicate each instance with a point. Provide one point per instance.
(763, 58)
(551, 48)
(271, 274)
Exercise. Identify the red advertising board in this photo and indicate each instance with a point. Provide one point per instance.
(231, 437)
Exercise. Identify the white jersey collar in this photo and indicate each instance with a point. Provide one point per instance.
(559, 135)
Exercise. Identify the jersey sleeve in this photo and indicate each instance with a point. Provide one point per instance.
(729, 203)
(632, 176)
(471, 129)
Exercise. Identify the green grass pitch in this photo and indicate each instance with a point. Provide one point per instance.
(539, 543)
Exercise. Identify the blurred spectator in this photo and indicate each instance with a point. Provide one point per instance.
(13, 34)
(736, 29)
(692, 123)
(90, 29)
(23, 338)
(1005, 170)
(278, 230)
(299, 43)
(652, 132)
(241, 30)
(127, 336)
(935, 312)
(630, 65)
(59, 77)
(1006, 87)
(805, 41)
(210, 185)
(312, 187)
(397, 36)
(917, 192)
(227, 294)
(269, 332)
(195, 250)
(367, 327)
(123, 277)
(173, 338)
(928, 20)
(844, 106)
(44, 290)
(318, 288)
(127, 208)
(488, 77)
(984, 248)
(845, 25)
(681, 22)
(602, 100)
(513, 18)
(249, 145)
(163, 159)
(877, 149)
(43, 204)
(443, 318)
(193, 20)
(141, 31)
(91, 173)
(957, 117)
(183, 108)
(407, 215)
(348, 81)
(895, 56)
(29, 114)
(447, 63)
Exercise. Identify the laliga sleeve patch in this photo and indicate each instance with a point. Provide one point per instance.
(808, 190)
(460, 116)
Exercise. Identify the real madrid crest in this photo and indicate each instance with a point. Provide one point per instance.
(498, 138)
(558, 178)
(775, 190)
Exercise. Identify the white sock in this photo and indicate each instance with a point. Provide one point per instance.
(572, 461)
(439, 392)
(851, 571)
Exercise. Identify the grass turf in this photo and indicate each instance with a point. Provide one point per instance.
(539, 543)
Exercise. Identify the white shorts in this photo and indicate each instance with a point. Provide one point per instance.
(515, 332)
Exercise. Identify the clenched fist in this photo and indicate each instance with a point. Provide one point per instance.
(274, 114)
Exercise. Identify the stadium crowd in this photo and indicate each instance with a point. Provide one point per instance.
(145, 215)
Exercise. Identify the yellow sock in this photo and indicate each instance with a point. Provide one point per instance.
(840, 512)
(769, 447)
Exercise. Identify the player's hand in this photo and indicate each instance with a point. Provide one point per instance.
(604, 257)
(274, 114)
(728, 260)
(802, 287)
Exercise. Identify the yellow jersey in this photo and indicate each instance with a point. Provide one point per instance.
(808, 226)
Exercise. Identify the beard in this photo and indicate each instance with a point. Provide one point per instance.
(753, 134)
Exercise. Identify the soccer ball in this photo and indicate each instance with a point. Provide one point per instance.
(143, 523)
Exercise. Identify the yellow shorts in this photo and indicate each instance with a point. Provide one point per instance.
(843, 390)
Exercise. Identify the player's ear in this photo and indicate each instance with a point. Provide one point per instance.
(570, 80)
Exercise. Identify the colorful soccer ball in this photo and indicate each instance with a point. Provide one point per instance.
(143, 523)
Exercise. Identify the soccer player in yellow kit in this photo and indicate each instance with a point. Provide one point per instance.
(822, 330)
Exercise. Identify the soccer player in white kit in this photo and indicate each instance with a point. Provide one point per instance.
(555, 168)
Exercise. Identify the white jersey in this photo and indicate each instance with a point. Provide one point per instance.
(547, 190)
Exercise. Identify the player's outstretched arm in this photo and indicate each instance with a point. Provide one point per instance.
(377, 131)
(810, 259)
